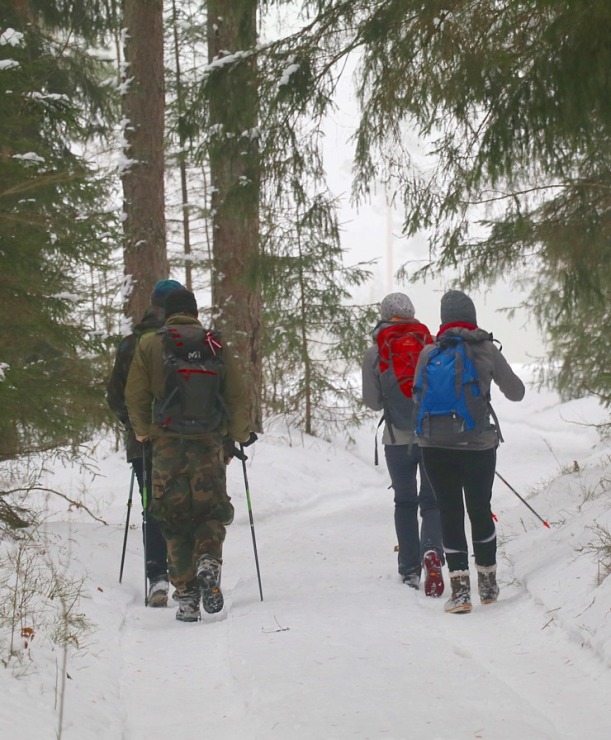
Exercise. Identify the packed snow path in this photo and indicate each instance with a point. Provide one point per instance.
(340, 649)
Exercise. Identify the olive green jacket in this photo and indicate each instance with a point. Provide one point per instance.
(146, 382)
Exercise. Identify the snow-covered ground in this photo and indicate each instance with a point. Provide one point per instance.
(339, 648)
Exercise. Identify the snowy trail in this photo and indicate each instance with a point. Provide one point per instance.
(320, 657)
(340, 649)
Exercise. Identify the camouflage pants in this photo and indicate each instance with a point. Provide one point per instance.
(190, 502)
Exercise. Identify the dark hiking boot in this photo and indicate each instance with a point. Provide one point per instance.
(188, 606)
(209, 579)
(460, 600)
(433, 580)
(412, 580)
(158, 592)
(486, 583)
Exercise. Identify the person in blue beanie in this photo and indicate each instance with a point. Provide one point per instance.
(156, 550)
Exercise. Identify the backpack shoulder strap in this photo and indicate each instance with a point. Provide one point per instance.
(490, 338)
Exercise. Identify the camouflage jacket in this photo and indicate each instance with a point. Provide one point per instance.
(115, 390)
(146, 382)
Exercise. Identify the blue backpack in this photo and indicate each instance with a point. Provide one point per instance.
(448, 397)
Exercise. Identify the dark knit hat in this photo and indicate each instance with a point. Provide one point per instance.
(180, 300)
(457, 306)
(396, 305)
(161, 290)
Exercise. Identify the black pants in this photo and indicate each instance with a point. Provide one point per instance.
(156, 550)
(459, 478)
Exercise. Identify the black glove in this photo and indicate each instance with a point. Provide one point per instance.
(239, 454)
(230, 450)
(251, 440)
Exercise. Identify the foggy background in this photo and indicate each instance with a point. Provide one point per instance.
(373, 233)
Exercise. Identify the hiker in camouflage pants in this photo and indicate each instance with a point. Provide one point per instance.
(190, 499)
(190, 502)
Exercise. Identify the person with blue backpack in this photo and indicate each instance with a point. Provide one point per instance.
(387, 374)
(458, 433)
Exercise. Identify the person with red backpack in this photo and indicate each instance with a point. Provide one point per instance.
(388, 374)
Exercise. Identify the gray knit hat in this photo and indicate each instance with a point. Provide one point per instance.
(457, 306)
(396, 305)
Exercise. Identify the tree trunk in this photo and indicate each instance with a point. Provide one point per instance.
(235, 174)
(145, 253)
(182, 160)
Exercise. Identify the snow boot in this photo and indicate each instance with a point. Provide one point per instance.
(188, 605)
(158, 592)
(433, 581)
(209, 579)
(412, 580)
(460, 601)
(486, 583)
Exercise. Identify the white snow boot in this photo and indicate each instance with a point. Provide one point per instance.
(460, 600)
(158, 592)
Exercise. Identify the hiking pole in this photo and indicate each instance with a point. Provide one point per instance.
(129, 508)
(252, 523)
(145, 505)
(511, 488)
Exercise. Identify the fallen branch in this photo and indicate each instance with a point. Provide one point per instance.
(280, 628)
(71, 501)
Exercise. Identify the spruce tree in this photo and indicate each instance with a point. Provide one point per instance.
(511, 101)
(56, 228)
(514, 98)
(315, 336)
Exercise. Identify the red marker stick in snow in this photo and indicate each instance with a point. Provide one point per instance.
(511, 488)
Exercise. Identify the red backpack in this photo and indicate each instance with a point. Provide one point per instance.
(399, 346)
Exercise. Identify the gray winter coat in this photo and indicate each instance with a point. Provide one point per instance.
(491, 366)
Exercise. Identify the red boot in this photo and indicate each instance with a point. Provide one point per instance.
(433, 582)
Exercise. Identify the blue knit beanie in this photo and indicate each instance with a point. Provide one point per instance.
(161, 290)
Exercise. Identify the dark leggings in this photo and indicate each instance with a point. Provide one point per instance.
(453, 473)
(156, 549)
